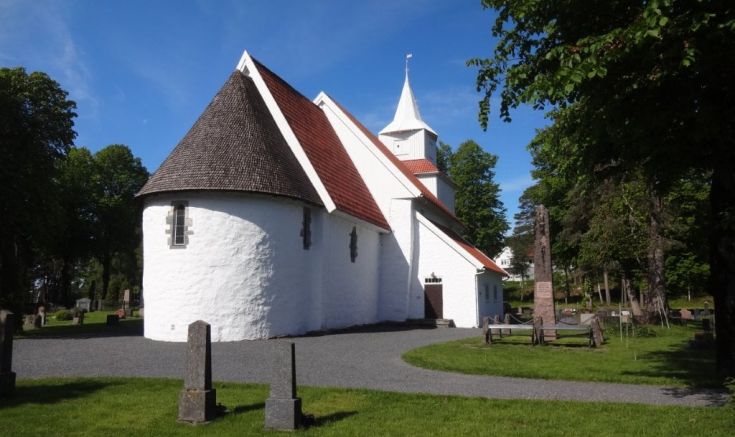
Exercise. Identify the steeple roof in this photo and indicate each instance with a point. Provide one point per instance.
(407, 116)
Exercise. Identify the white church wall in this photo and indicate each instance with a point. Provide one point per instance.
(350, 289)
(244, 271)
(395, 262)
(375, 169)
(434, 256)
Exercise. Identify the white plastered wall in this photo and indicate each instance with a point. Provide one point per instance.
(350, 290)
(462, 279)
(244, 271)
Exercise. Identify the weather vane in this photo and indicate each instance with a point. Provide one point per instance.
(408, 56)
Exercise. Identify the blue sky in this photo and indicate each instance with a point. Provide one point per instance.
(141, 72)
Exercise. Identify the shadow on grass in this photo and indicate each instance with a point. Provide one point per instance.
(330, 418)
(129, 328)
(53, 393)
(246, 408)
(694, 366)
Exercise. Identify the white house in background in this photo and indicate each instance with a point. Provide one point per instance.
(277, 215)
(505, 259)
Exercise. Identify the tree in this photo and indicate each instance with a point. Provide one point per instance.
(443, 157)
(36, 130)
(120, 176)
(649, 84)
(477, 201)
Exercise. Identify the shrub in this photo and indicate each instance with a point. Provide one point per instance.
(633, 329)
(63, 315)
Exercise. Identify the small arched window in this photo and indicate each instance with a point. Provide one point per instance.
(180, 225)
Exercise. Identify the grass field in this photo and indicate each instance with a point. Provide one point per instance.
(666, 359)
(94, 322)
(148, 407)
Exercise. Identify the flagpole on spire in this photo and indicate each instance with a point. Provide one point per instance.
(408, 56)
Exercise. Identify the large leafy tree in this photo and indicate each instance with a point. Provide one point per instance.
(36, 130)
(477, 201)
(119, 176)
(651, 86)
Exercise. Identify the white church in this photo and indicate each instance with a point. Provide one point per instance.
(278, 215)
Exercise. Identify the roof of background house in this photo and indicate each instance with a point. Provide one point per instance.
(325, 151)
(235, 145)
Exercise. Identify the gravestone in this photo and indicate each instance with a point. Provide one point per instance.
(486, 330)
(30, 322)
(7, 376)
(506, 321)
(706, 312)
(197, 401)
(496, 321)
(543, 289)
(283, 408)
(84, 304)
(78, 318)
(597, 336)
(696, 315)
(686, 314)
(538, 334)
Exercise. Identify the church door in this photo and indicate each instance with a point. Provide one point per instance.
(433, 303)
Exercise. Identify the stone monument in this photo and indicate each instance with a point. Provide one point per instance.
(7, 376)
(197, 402)
(283, 408)
(543, 290)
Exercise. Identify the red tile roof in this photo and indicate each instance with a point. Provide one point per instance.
(418, 166)
(472, 250)
(325, 151)
(399, 165)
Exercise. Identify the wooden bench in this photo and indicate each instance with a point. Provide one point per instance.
(537, 336)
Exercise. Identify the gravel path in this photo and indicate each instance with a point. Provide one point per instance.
(368, 359)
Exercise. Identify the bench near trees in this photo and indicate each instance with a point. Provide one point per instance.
(490, 327)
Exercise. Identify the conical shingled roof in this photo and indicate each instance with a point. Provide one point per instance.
(235, 145)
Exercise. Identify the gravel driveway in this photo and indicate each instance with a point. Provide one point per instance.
(362, 359)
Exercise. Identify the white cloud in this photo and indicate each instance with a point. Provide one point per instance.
(36, 35)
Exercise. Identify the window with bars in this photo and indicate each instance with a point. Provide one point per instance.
(179, 224)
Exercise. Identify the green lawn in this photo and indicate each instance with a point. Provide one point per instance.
(666, 359)
(148, 407)
(94, 322)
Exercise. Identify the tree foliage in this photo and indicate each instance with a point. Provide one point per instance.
(647, 87)
(477, 201)
(36, 130)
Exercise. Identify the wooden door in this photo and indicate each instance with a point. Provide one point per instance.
(433, 302)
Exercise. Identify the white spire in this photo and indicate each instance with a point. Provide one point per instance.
(407, 115)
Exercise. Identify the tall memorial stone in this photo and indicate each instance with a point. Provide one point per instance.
(7, 376)
(543, 290)
(197, 402)
(283, 408)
